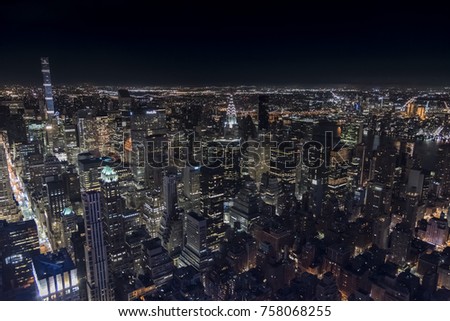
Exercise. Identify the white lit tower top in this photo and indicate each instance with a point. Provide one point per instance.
(231, 113)
(48, 93)
(109, 175)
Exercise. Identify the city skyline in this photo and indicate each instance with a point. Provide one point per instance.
(222, 193)
(164, 152)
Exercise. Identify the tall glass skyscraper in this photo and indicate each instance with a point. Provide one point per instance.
(48, 94)
(99, 285)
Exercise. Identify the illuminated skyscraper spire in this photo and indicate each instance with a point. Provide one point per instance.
(48, 94)
(231, 113)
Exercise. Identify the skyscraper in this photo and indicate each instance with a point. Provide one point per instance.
(245, 209)
(443, 170)
(212, 207)
(383, 165)
(89, 168)
(381, 231)
(112, 208)
(378, 200)
(69, 222)
(51, 127)
(56, 203)
(231, 119)
(171, 229)
(72, 184)
(191, 183)
(195, 251)
(96, 133)
(170, 194)
(400, 243)
(99, 285)
(152, 213)
(48, 93)
(410, 215)
(231, 112)
(352, 133)
(263, 113)
(148, 136)
(19, 242)
(125, 99)
(71, 142)
(157, 262)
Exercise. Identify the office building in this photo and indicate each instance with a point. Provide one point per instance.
(378, 200)
(19, 243)
(263, 113)
(56, 276)
(89, 169)
(112, 212)
(381, 231)
(212, 203)
(437, 231)
(48, 93)
(98, 278)
(401, 239)
(157, 262)
(195, 251)
(57, 202)
(245, 209)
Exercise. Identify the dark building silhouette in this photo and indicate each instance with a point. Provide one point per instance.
(263, 113)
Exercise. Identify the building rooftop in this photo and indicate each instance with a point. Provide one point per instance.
(109, 175)
(67, 211)
(52, 264)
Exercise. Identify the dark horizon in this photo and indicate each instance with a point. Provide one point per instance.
(185, 45)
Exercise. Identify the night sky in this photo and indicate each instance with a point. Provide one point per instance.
(121, 43)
